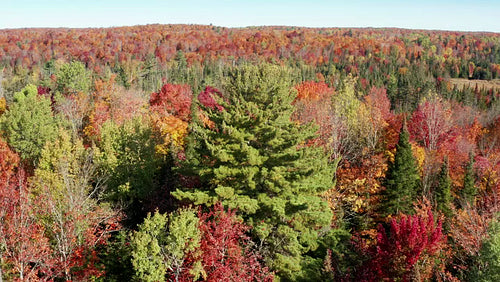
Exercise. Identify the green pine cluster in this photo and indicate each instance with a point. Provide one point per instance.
(255, 159)
(469, 190)
(443, 191)
(487, 267)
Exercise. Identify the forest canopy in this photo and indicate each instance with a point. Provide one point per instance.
(192, 153)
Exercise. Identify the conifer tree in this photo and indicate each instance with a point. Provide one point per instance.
(443, 190)
(469, 190)
(402, 180)
(488, 267)
(252, 157)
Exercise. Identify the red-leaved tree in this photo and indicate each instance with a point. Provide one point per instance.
(407, 250)
(24, 250)
(431, 123)
(170, 110)
(313, 105)
(206, 98)
(226, 252)
(172, 99)
(313, 91)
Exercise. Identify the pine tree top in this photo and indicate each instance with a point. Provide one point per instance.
(402, 179)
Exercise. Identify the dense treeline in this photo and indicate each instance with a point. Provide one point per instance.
(406, 62)
(181, 153)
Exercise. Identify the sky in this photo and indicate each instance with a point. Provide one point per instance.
(460, 15)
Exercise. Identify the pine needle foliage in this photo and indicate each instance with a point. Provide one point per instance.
(251, 157)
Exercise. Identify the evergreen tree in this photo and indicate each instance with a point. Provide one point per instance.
(443, 190)
(469, 190)
(180, 73)
(402, 180)
(252, 157)
(488, 266)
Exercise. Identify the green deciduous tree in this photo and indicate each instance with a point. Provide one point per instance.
(127, 157)
(252, 157)
(29, 123)
(348, 116)
(161, 245)
(402, 179)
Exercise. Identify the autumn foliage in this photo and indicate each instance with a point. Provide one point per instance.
(100, 126)
(208, 98)
(407, 249)
(227, 253)
(170, 113)
(24, 247)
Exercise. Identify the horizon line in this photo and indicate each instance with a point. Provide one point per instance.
(252, 26)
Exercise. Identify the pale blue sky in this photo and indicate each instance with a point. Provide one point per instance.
(470, 15)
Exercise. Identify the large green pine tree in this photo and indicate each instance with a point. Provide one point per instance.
(255, 159)
(443, 190)
(402, 180)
